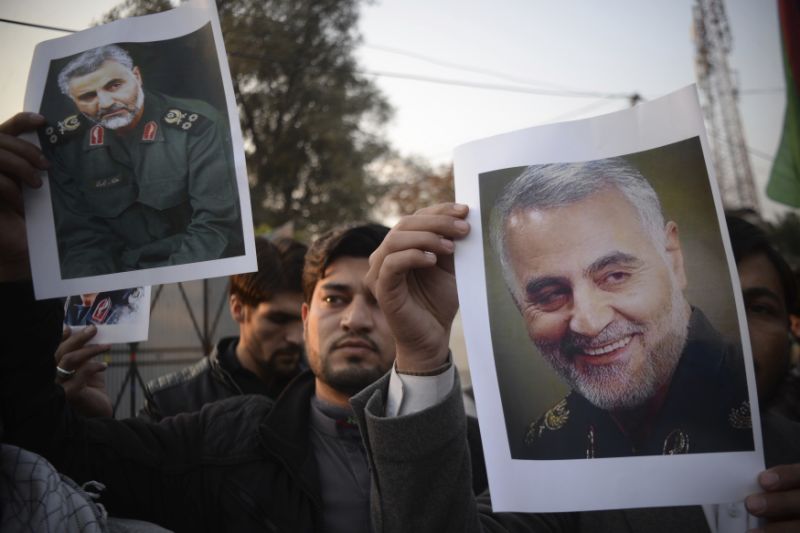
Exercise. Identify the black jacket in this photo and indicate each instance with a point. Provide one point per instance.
(237, 465)
(190, 388)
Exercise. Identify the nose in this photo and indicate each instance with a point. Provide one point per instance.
(294, 332)
(104, 99)
(591, 311)
(357, 317)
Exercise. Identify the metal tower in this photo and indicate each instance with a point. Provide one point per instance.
(719, 95)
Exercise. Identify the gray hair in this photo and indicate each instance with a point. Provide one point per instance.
(541, 187)
(89, 61)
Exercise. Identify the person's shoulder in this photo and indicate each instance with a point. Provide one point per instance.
(554, 434)
(188, 115)
(179, 378)
(231, 425)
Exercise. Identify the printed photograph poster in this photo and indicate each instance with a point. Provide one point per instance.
(603, 316)
(147, 183)
(121, 315)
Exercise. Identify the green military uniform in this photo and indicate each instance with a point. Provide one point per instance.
(162, 194)
(705, 410)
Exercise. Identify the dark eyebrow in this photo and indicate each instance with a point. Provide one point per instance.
(112, 81)
(758, 292)
(613, 258)
(341, 287)
(537, 284)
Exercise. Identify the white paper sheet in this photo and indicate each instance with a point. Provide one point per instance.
(662, 138)
(181, 36)
(120, 316)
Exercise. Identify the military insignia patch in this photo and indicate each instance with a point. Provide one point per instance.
(740, 417)
(149, 131)
(184, 120)
(71, 123)
(554, 419)
(676, 443)
(96, 135)
(64, 129)
(101, 311)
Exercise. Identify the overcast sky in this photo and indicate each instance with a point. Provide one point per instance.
(617, 47)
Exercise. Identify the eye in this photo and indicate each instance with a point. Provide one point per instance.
(550, 299)
(614, 278)
(282, 318)
(333, 299)
(760, 308)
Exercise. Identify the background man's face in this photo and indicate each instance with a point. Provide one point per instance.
(348, 342)
(767, 321)
(600, 301)
(271, 333)
(111, 95)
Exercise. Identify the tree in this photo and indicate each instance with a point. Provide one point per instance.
(312, 125)
(412, 183)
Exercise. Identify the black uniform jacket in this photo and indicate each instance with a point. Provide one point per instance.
(238, 465)
(162, 194)
(706, 409)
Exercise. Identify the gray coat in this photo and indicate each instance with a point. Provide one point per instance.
(421, 477)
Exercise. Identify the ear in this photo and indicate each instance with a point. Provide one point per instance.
(675, 254)
(304, 312)
(237, 308)
(137, 74)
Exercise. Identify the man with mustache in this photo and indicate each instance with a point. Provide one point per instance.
(604, 305)
(139, 179)
(265, 356)
(241, 464)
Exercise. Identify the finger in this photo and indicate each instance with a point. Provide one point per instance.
(774, 504)
(65, 333)
(74, 360)
(11, 194)
(781, 477)
(75, 340)
(444, 225)
(14, 162)
(392, 274)
(449, 208)
(22, 122)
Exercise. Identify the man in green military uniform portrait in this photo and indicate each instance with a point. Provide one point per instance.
(139, 179)
(598, 276)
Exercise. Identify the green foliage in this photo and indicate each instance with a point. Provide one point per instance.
(312, 125)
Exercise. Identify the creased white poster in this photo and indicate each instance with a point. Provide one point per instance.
(603, 317)
(147, 181)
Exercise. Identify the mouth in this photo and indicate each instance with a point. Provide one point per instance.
(608, 348)
(113, 113)
(606, 354)
(354, 343)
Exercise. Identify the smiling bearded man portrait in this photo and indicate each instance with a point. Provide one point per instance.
(604, 305)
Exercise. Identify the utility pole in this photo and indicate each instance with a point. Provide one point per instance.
(720, 98)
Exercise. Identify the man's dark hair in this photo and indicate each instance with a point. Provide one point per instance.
(747, 240)
(280, 269)
(343, 241)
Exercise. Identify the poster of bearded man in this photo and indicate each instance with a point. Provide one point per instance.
(609, 304)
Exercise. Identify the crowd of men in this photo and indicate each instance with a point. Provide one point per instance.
(338, 408)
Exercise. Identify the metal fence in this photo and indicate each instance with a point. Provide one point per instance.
(186, 320)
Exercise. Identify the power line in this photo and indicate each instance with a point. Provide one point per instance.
(497, 87)
(467, 68)
(40, 26)
(562, 91)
